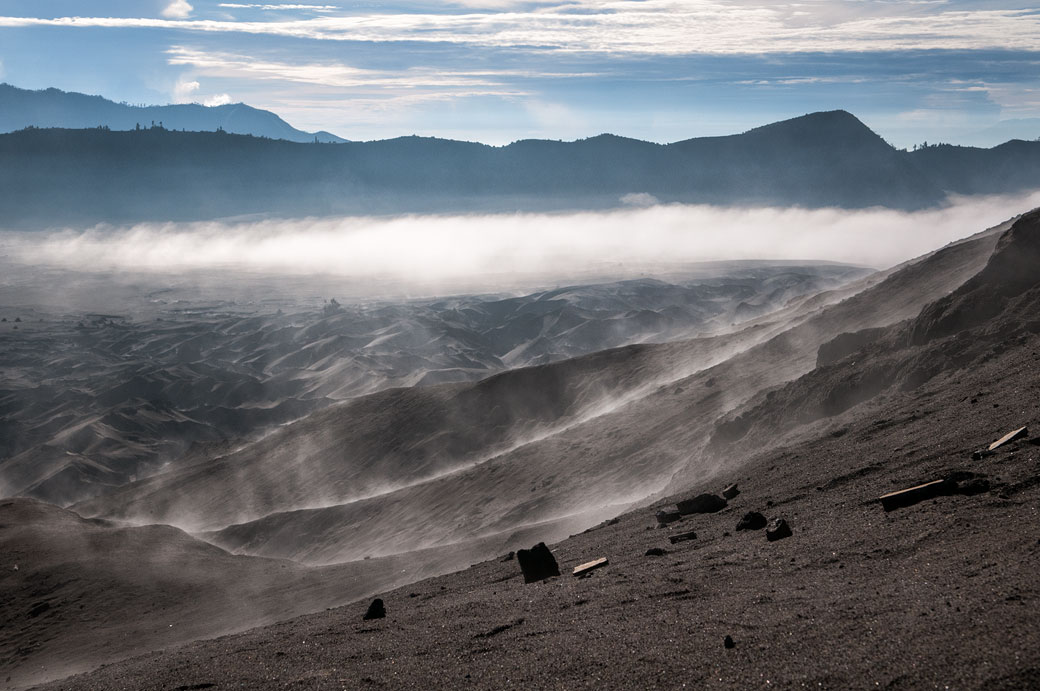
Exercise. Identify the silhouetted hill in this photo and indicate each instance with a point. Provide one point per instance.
(53, 176)
(21, 108)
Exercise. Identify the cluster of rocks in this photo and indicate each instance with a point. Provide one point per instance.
(777, 529)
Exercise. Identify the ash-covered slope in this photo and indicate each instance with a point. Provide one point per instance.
(92, 401)
(996, 309)
(75, 593)
(939, 593)
(415, 468)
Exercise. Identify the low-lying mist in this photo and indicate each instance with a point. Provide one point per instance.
(453, 252)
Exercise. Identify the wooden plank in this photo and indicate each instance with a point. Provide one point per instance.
(1010, 436)
(588, 566)
(912, 495)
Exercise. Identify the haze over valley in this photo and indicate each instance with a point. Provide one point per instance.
(720, 408)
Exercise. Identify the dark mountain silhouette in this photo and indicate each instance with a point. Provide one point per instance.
(21, 108)
(54, 176)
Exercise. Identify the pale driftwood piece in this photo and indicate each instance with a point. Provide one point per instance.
(1010, 436)
(912, 495)
(588, 566)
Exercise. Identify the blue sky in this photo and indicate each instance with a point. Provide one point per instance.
(500, 70)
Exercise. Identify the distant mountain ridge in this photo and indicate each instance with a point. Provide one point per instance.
(828, 159)
(21, 108)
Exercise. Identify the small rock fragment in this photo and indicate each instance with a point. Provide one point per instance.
(728, 642)
(656, 552)
(702, 503)
(508, 557)
(975, 485)
(752, 520)
(537, 563)
(666, 517)
(682, 537)
(730, 491)
(980, 454)
(777, 530)
(376, 610)
(589, 566)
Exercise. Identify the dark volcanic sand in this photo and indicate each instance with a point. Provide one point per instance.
(942, 594)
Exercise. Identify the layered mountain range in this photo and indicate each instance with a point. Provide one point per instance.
(22, 108)
(57, 177)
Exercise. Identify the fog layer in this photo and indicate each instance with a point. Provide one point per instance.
(455, 248)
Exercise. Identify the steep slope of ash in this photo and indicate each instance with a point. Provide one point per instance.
(994, 310)
(612, 428)
(938, 593)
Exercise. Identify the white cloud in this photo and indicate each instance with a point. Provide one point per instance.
(183, 90)
(662, 27)
(218, 100)
(178, 9)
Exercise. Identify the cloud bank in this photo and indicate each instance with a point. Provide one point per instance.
(456, 250)
(643, 27)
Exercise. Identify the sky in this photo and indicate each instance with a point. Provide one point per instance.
(497, 71)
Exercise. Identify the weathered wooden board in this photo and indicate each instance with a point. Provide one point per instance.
(1010, 436)
(588, 566)
(913, 495)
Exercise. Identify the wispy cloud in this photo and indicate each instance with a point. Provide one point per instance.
(338, 74)
(659, 27)
(277, 8)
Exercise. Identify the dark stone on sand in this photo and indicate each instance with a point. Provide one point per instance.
(508, 557)
(656, 552)
(752, 520)
(702, 503)
(730, 491)
(682, 537)
(376, 610)
(728, 642)
(537, 563)
(980, 454)
(976, 485)
(666, 517)
(777, 530)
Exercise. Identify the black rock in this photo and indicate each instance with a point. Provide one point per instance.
(980, 454)
(666, 517)
(508, 557)
(537, 563)
(730, 491)
(656, 552)
(752, 520)
(375, 610)
(728, 642)
(702, 503)
(777, 530)
(682, 537)
(977, 485)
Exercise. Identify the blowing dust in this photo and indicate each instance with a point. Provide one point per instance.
(445, 253)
